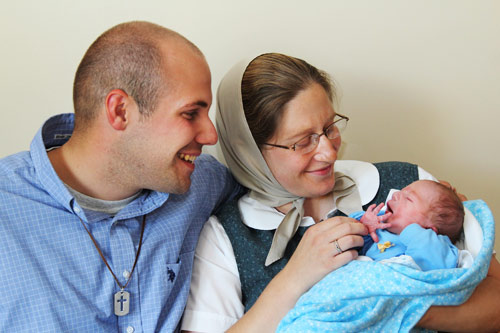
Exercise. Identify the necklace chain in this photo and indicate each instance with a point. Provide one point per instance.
(106, 262)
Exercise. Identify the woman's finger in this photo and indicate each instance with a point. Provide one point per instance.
(346, 243)
(345, 229)
(342, 259)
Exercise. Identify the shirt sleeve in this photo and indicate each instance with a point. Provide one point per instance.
(428, 249)
(214, 303)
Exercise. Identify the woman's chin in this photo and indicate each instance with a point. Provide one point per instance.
(322, 191)
(311, 187)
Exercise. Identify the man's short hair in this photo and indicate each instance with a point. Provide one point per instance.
(127, 57)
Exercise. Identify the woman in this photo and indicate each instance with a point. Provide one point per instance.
(280, 137)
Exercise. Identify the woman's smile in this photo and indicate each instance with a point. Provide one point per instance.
(322, 171)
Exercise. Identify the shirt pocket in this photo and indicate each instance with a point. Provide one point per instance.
(179, 269)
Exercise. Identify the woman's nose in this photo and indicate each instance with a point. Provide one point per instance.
(327, 149)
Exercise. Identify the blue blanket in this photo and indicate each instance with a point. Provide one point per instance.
(371, 297)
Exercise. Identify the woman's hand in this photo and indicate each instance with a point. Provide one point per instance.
(317, 253)
(461, 196)
(315, 256)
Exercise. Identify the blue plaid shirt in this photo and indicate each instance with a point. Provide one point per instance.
(51, 275)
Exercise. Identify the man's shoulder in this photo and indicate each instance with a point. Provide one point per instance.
(16, 164)
(213, 177)
(208, 160)
(18, 179)
(207, 166)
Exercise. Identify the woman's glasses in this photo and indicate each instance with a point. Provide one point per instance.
(309, 143)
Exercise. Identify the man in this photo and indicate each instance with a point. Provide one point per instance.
(99, 221)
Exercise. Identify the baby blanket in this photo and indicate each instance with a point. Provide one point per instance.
(373, 297)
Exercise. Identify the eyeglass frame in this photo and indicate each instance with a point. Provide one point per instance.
(293, 147)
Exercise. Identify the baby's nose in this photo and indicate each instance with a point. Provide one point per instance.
(397, 195)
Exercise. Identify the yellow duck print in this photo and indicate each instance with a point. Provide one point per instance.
(383, 246)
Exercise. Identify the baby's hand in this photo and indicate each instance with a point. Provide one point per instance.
(373, 222)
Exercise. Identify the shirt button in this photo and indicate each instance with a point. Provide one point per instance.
(77, 210)
(130, 329)
(126, 274)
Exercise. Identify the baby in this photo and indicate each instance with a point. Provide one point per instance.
(422, 221)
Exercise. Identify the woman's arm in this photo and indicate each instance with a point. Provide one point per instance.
(315, 257)
(480, 313)
(215, 301)
(461, 196)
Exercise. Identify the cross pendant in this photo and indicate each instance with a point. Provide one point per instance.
(122, 303)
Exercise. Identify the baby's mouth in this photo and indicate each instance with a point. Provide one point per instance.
(389, 208)
(186, 157)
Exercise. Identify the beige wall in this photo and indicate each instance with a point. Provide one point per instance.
(419, 79)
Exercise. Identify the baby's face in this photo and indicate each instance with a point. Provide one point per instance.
(411, 205)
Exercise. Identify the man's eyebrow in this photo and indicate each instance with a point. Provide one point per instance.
(198, 103)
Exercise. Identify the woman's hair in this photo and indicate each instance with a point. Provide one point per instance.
(447, 213)
(271, 81)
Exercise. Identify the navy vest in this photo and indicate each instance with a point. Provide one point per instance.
(251, 246)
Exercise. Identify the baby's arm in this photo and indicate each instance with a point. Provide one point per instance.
(372, 220)
(428, 249)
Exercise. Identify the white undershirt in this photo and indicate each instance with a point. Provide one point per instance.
(214, 302)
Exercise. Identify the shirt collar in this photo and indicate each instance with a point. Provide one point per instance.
(261, 217)
(54, 133)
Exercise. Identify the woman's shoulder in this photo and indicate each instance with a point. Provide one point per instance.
(375, 180)
(364, 174)
(214, 302)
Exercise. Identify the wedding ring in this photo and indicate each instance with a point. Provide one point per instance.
(337, 246)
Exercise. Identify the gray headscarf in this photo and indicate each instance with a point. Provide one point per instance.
(248, 166)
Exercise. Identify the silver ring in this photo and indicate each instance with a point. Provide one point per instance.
(337, 246)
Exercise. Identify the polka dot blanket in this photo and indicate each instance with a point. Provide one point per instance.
(374, 297)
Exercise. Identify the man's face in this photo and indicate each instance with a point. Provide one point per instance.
(162, 148)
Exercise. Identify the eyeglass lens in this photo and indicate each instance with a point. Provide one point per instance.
(308, 144)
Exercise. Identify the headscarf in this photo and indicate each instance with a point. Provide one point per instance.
(245, 160)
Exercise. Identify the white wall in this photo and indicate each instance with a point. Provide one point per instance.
(419, 79)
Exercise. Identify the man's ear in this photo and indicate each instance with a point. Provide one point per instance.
(118, 108)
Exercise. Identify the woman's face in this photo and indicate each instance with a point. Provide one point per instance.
(306, 175)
